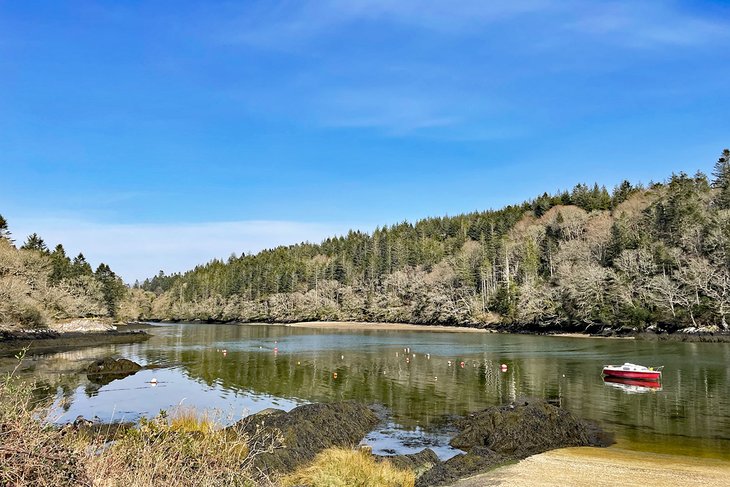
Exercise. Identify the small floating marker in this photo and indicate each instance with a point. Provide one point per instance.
(503, 367)
(435, 378)
(462, 365)
(414, 355)
(153, 381)
(449, 363)
(334, 375)
(299, 363)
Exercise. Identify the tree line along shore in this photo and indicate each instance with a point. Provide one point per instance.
(637, 258)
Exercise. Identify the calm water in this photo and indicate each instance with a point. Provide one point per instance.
(277, 366)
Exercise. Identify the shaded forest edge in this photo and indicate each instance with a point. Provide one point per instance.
(636, 259)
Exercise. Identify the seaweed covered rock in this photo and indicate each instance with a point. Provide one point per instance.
(106, 370)
(418, 463)
(305, 431)
(478, 460)
(498, 435)
(525, 428)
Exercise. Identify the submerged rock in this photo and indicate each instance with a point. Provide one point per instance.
(304, 432)
(503, 434)
(106, 370)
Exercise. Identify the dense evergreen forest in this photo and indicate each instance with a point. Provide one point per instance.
(633, 257)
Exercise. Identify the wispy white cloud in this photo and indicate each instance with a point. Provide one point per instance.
(632, 23)
(137, 251)
(647, 25)
(491, 45)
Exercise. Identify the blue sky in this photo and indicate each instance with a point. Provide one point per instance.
(158, 135)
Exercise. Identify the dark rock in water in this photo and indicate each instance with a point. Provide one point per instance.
(503, 434)
(525, 428)
(106, 370)
(305, 431)
(418, 463)
(478, 460)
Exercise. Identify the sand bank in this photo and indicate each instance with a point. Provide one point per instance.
(605, 467)
(360, 325)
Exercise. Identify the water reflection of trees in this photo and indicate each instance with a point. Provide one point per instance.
(693, 404)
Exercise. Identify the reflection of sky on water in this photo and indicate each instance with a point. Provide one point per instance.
(692, 407)
(391, 439)
(133, 397)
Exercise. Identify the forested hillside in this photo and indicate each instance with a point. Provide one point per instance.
(39, 286)
(632, 257)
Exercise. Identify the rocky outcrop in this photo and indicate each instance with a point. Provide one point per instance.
(45, 340)
(108, 369)
(305, 431)
(503, 434)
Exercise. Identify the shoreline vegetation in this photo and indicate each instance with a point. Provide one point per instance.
(652, 258)
(649, 259)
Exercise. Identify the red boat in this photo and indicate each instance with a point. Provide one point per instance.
(633, 371)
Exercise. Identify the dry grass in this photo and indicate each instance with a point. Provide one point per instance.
(183, 448)
(32, 453)
(349, 468)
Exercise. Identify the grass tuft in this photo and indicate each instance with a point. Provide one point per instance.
(349, 468)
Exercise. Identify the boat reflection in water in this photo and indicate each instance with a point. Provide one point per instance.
(633, 386)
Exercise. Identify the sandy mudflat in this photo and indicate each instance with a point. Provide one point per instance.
(585, 335)
(606, 467)
(359, 325)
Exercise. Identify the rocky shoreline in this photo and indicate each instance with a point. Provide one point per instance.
(490, 438)
(13, 342)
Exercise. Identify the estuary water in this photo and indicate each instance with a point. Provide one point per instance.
(422, 379)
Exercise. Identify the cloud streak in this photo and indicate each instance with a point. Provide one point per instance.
(138, 251)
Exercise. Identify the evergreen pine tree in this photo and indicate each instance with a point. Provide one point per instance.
(721, 181)
(34, 242)
(4, 232)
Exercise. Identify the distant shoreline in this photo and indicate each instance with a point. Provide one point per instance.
(12, 343)
(364, 325)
